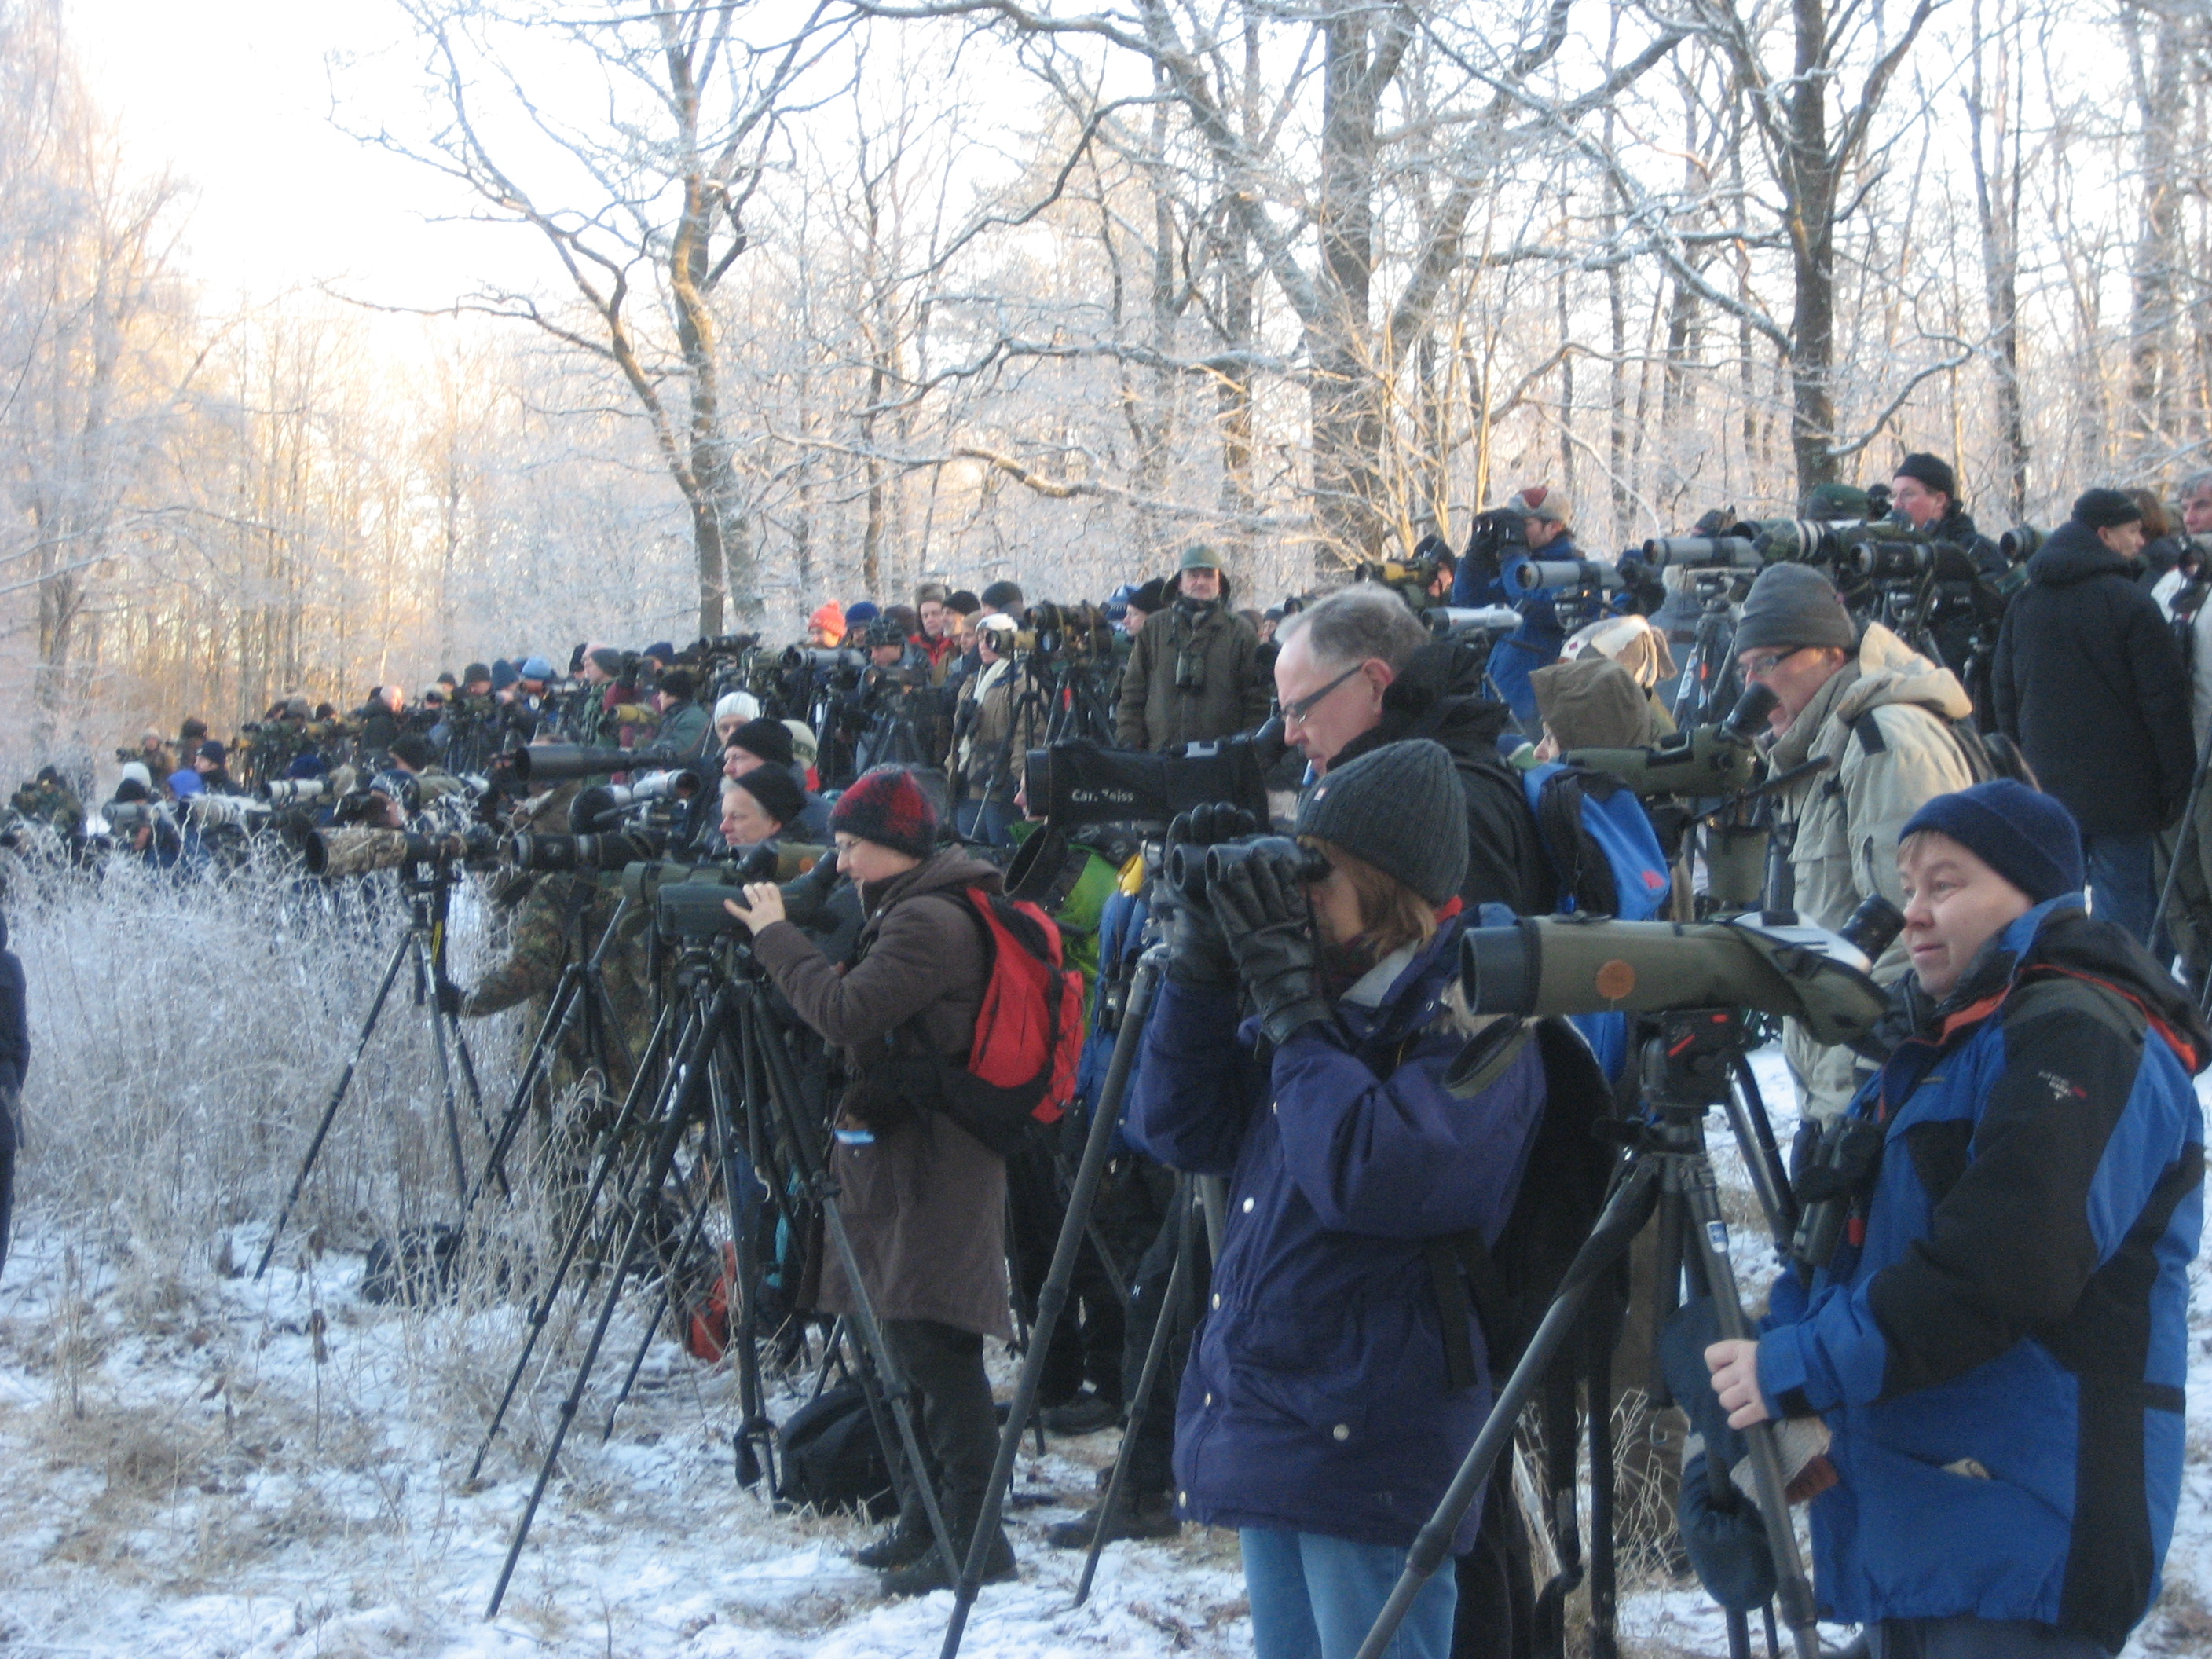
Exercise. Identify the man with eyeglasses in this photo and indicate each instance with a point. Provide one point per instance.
(1358, 670)
(1881, 712)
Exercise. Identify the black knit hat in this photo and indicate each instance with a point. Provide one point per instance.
(1400, 809)
(608, 661)
(1932, 471)
(2103, 509)
(963, 602)
(887, 806)
(414, 748)
(1003, 596)
(678, 685)
(779, 796)
(767, 739)
(2026, 837)
(1791, 607)
(475, 672)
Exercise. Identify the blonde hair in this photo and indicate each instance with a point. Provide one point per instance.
(1391, 914)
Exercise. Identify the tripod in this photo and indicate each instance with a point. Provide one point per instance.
(429, 895)
(1053, 1298)
(728, 1051)
(580, 998)
(1691, 1061)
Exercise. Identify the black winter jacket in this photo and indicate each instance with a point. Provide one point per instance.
(2088, 682)
(1437, 696)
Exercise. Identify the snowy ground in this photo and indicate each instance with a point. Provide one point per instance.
(201, 1465)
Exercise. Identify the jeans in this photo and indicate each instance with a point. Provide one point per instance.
(1975, 1638)
(2123, 883)
(1314, 1597)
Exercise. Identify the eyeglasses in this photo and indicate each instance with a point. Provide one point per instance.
(1302, 710)
(1759, 667)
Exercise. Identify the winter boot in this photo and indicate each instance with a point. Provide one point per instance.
(1147, 1515)
(906, 1543)
(927, 1573)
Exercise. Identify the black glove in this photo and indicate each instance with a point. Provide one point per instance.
(1261, 908)
(449, 998)
(1197, 953)
(1725, 1540)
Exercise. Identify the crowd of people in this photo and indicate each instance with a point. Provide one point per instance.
(1993, 1359)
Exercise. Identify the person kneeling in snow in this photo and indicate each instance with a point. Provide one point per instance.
(1320, 1413)
(1999, 1342)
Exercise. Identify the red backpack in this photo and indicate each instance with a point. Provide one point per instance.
(1028, 1028)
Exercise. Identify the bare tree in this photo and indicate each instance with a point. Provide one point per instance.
(655, 190)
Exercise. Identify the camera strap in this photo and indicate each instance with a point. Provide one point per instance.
(1461, 1263)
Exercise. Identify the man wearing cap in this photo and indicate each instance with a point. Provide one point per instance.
(1924, 493)
(1880, 712)
(769, 743)
(593, 719)
(1487, 577)
(684, 727)
(1195, 674)
(1999, 1340)
(2089, 682)
(993, 732)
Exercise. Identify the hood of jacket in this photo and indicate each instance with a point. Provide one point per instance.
(2059, 937)
(2071, 554)
(946, 872)
(1437, 695)
(1886, 671)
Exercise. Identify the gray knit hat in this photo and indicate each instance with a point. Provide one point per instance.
(1400, 808)
(1791, 607)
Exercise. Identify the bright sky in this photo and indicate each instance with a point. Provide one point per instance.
(235, 96)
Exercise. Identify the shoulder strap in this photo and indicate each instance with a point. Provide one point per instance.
(1460, 1263)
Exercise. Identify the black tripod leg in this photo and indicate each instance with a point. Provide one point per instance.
(558, 1016)
(541, 1310)
(1626, 1212)
(688, 1079)
(425, 986)
(756, 1435)
(399, 955)
(1754, 1136)
(1604, 1589)
(1793, 1589)
(1053, 1295)
(694, 1225)
(1164, 1319)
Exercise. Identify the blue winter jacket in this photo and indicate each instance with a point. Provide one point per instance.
(1316, 1398)
(2001, 1360)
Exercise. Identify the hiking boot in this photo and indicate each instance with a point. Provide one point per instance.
(1087, 1413)
(1151, 1516)
(906, 1543)
(921, 1577)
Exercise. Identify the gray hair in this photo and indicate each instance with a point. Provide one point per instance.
(2196, 483)
(1356, 622)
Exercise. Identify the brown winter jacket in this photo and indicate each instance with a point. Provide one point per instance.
(1156, 713)
(926, 1203)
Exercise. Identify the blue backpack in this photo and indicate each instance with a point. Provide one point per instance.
(1605, 861)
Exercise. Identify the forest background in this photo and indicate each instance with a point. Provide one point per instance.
(709, 312)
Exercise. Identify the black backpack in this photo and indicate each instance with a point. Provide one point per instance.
(832, 1459)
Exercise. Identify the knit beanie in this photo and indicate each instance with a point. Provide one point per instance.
(829, 619)
(887, 806)
(859, 613)
(780, 798)
(184, 782)
(1003, 596)
(1931, 471)
(136, 772)
(765, 739)
(1542, 502)
(535, 668)
(503, 674)
(608, 661)
(678, 685)
(1594, 703)
(1400, 809)
(963, 602)
(804, 748)
(742, 704)
(660, 651)
(213, 751)
(2103, 509)
(2026, 837)
(413, 748)
(1791, 607)
(474, 672)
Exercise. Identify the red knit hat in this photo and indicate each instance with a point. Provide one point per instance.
(886, 806)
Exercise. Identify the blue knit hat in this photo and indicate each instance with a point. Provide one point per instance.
(2026, 837)
(859, 613)
(503, 674)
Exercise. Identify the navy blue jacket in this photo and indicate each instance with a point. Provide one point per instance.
(1316, 1398)
(2001, 1360)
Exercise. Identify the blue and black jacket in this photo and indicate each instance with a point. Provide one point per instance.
(1999, 1346)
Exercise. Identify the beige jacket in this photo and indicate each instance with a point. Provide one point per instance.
(1845, 822)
